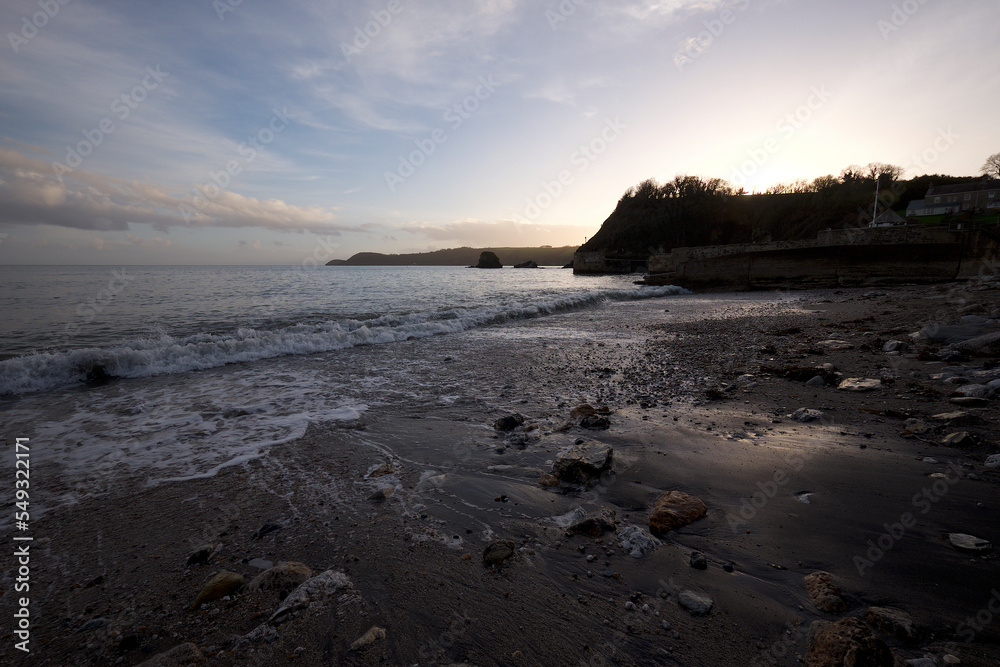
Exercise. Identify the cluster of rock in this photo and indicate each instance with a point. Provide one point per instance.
(298, 589)
(855, 640)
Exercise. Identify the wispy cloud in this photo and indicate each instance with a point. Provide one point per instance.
(31, 194)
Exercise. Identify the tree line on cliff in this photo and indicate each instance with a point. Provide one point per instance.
(694, 211)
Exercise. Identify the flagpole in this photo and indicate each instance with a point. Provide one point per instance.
(875, 209)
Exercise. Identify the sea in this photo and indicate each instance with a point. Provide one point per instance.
(166, 373)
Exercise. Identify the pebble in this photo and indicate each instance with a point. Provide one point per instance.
(590, 558)
(969, 543)
(959, 439)
(859, 384)
(267, 527)
(806, 415)
(497, 552)
(630, 605)
(698, 561)
(993, 461)
(636, 541)
(201, 555)
(373, 635)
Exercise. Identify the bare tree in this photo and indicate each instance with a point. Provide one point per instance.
(992, 166)
(881, 170)
(825, 182)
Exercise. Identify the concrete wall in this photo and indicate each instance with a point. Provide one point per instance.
(836, 258)
(598, 262)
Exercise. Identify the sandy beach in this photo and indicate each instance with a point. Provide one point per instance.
(698, 392)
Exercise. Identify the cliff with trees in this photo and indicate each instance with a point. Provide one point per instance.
(691, 211)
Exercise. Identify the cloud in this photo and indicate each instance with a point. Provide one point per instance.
(155, 243)
(416, 61)
(32, 194)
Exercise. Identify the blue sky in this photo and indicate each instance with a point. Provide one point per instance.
(241, 132)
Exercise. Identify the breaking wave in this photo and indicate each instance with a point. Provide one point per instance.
(165, 354)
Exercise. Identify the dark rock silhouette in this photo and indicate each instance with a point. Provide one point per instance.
(530, 264)
(488, 260)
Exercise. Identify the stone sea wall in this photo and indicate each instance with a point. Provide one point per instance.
(843, 257)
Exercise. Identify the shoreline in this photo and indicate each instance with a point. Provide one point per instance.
(684, 416)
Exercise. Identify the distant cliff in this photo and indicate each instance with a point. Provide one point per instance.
(543, 256)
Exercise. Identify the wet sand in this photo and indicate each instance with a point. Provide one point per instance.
(697, 404)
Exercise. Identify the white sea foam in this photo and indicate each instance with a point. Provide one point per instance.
(163, 354)
(169, 429)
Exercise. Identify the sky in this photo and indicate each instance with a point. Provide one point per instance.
(248, 132)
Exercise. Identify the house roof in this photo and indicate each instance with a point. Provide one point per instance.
(962, 188)
(916, 203)
(890, 216)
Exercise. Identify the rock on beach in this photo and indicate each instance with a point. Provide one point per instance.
(675, 509)
(584, 462)
(824, 593)
(694, 603)
(218, 587)
(285, 576)
(847, 642)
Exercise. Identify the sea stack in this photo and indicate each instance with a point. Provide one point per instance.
(488, 260)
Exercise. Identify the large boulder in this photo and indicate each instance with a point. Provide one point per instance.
(824, 593)
(488, 260)
(675, 509)
(583, 463)
(847, 642)
(892, 622)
